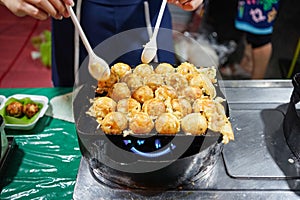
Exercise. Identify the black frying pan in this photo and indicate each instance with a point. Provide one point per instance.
(151, 160)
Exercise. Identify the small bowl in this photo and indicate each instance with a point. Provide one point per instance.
(2, 101)
(42, 100)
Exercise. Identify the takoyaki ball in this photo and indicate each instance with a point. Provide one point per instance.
(191, 93)
(154, 107)
(143, 70)
(165, 92)
(181, 107)
(119, 91)
(143, 94)
(194, 123)
(129, 105)
(114, 123)
(121, 69)
(167, 123)
(133, 81)
(164, 68)
(203, 105)
(203, 82)
(154, 81)
(15, 109)
(30, 109)
(177, 81)
(186, 68)
(102, 106)
(141, 123)
(104, 85)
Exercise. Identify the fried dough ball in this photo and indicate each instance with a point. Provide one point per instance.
(167, 123)
(154, 81)
(104, 85)
(203, 82)
(201, 105)
(129, 105)
(181, 107)
(114, 123)
(15, 109)
(191, 93)
(177, 81)
(30, 109)
(154, 107)
(194, 123)
(102, 106)
(210, 72)
(216, 117)
(119, 91)
(143, 70)
(133, 81)
(164, 68)
(165, 92)
(120, 69)
(141, 123)
(186, 68)
(143, 94)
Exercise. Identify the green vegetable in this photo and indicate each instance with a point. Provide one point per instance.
(22, 120)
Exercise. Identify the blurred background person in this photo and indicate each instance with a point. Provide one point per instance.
(256, 19)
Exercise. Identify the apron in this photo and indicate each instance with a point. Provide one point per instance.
(108, 26)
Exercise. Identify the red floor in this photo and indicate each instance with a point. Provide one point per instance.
(17, 68)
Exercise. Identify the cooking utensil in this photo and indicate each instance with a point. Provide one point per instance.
(139, 161)
(150, 48)
(98, 67)
(291, 124)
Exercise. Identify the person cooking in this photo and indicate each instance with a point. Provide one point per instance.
(100, 20)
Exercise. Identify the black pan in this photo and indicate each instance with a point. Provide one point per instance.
(135, 161)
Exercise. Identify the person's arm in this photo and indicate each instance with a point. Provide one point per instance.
(39, 9)
(188, 5)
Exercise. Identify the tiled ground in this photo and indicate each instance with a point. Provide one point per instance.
(17, 68)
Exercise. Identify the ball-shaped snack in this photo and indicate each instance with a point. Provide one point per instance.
(120, 69)
(186, 68)
(164, 68)
(191, 93)
(143, 94)
(177, 81)
(143, 70)
(129, 105)
(101, 106)
(194, 123)
(181, 107)
(165, 92)
(167, 123)
(154, 81)
(119, 91)
(133, 81)
(141, 123)
(104, 85)
(154, 107)
(15, 109)
(114, 123)
(30, 109)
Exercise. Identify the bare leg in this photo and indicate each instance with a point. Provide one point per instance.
(261, 57)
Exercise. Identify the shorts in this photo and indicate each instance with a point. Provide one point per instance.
(257, 41)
